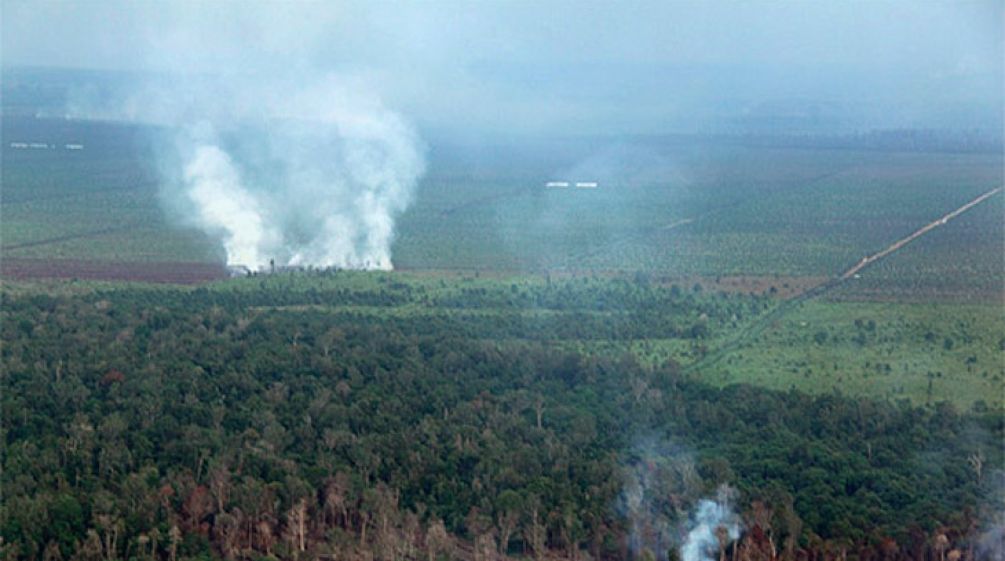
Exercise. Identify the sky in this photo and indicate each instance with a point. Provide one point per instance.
(545, 66)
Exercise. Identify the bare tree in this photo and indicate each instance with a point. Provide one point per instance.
(52, 552)
(266, 537)
(174, 538)
(219, 485)
(336, 502)
(296, 518)
(534, 531)
(976, 461)
(722, 535)
(110, 526)
(507, 517)
(941, 542)
(438, 542)
(227, 531)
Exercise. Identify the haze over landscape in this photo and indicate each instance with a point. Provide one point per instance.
(502, 281)
(599, 68)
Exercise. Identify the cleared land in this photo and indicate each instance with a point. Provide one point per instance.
(165, 272)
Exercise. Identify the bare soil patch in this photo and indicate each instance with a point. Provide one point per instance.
(155, 272)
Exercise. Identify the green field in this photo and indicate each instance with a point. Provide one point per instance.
(676, 207)
(486, 240)
(920, 352)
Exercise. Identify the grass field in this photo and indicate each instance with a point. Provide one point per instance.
(920, 352)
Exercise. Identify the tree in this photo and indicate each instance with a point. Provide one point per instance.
(940, 542)
(296, 522)
(535, 532)
(509, 505)
(439, 544)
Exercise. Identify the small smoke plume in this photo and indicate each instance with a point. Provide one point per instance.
(990, 541)
(661, 481)
(713, 525)
(990, 545)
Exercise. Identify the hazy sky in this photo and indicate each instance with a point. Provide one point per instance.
(625, 66)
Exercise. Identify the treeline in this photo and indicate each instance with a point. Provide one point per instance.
(964, 141)
(170, 424)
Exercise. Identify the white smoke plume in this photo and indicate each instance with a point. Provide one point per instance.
(990, 545)
(660, 482)
(990, 541)
(713, 525)
(270, 148)
(306, 175)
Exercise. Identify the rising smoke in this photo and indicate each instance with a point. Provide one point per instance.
(307, 174)
(713, 525)
(663, 505)
(277, 159)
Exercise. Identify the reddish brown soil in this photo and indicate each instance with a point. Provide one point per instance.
(157, 272)
(785, 286)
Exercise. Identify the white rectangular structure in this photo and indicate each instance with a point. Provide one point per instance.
(586, 184)
(557, 184)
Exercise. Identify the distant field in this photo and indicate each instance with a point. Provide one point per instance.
(745, 212)
(682, 209)
(961, 261)
(99, 203)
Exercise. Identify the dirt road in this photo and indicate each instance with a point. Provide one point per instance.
(920, 232)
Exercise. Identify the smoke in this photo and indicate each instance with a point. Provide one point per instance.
(663, 505)
(713, 525)
(260, 144)
(306, 174)
(660, 482)
(990, 545)
(990, 541)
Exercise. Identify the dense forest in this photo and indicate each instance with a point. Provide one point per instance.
(324, 420)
